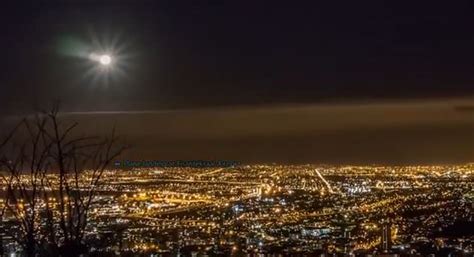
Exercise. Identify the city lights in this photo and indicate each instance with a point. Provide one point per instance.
(257, 209)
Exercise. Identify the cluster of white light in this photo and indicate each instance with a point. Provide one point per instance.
(103, 59)
(107, 60)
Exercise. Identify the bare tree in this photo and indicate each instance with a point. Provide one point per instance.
(51, 181)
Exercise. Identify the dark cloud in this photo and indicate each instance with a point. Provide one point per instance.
(388, 132)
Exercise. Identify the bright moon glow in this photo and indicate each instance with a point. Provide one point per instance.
(105, 59)
(107, 63)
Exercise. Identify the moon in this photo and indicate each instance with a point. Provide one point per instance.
(105, 59)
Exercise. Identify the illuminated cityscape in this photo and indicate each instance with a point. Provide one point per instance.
(311, 210)
(145, 128)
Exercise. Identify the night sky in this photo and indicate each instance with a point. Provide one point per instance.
(207, 67)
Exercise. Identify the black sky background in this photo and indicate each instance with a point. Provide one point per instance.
(207, 53)
(323, 72)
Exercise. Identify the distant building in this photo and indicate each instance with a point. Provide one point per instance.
(386, 237)
(310, 231)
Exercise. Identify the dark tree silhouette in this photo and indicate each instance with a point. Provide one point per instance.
(51, 181)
